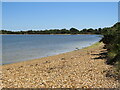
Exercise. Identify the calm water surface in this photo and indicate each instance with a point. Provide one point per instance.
(17, 48)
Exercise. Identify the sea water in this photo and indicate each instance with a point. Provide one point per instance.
(17, 48)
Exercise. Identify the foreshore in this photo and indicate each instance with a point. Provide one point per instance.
(82, 68)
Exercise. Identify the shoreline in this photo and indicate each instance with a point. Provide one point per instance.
(97, 43)
(49, 34)
(77, 69)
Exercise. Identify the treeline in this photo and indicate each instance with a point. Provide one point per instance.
(111, 40)
(55, 31)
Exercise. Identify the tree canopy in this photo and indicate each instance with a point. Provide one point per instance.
(54, 31)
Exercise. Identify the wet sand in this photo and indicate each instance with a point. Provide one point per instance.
(82, 68)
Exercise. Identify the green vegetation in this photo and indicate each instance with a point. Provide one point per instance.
(54, 31)
(93, 46)
(111, 40)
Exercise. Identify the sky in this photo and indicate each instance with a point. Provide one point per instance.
(58, 15)
(119, 11)
(60, 0)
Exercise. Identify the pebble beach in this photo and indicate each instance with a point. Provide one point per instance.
(77, 69)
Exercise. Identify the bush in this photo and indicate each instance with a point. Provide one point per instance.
(111, 40)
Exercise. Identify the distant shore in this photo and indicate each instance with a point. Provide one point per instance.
(77, 69)
(49, 34)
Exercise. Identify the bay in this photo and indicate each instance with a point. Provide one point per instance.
(17, 48)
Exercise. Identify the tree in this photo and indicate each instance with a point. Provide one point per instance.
(74, 31)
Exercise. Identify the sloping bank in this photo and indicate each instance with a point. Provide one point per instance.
(84, 68)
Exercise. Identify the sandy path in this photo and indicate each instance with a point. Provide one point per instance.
(77, 69)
